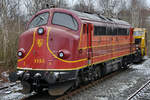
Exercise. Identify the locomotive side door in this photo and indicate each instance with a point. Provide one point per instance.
(89, 43)
(131, 39)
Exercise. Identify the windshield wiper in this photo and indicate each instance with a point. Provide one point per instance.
(41, 19)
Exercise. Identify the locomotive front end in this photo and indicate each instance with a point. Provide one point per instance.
(48, 52)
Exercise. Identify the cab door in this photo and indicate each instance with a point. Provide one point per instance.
(131, 40)
(89, 43)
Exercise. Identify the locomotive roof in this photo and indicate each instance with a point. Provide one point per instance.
(93, 17)
(96, 17)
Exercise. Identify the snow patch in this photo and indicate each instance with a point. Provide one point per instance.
(101, 98)
(12, 96)
(5, 74)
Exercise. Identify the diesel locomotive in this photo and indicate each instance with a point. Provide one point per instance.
(140, 35)
(61, 49)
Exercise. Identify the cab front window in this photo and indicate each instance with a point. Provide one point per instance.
(138, 33)
(41, 19)
(65, 20)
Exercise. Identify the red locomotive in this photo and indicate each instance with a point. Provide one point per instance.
(63, 48)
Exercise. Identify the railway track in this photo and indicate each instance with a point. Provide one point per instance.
(143, 93)
(83, 88)
(10, 85)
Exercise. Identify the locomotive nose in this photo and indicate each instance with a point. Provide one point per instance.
(32, 46)
(33, 52)
(26, 40)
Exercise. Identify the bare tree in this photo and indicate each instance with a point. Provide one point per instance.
(10, 15)
(85, 6)
(110, 8)
(34, 6)
(137, 11)
(12, 23)
(61, 4)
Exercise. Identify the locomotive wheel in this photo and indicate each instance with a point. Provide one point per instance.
(39, 90)
(26, 87)
(103, 70)
(120, 66)
(125, 63)
(91, 76)
(97, 73)
(77, 82)
(84, 79)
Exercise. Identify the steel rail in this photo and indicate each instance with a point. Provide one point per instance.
(10, 85)
(138, 91)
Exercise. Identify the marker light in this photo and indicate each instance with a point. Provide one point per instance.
(40, 31)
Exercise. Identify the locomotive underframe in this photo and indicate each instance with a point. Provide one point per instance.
(58, 82)
(38, 80)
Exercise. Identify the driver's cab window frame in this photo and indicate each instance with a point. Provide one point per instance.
(34, 23)
(74, 20)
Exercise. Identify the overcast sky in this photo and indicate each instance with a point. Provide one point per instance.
(74, 1)
(148, 1)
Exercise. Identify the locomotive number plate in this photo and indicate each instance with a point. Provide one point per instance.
(39, 61)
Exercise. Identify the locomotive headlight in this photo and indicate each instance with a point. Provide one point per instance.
(40, 31)
(20, 54)
(61, 54)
